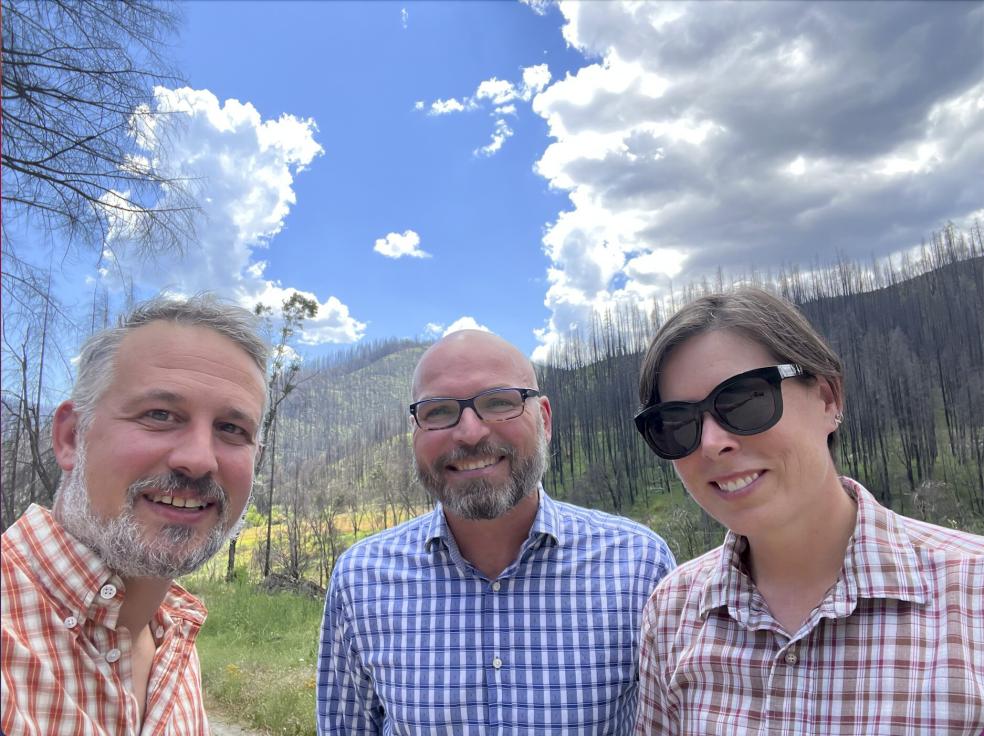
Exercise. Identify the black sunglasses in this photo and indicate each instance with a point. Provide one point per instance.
(745, 404)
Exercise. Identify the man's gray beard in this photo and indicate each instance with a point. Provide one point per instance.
(481, 499)
(120, 542)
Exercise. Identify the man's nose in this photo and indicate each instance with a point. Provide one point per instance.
(470, 430)
(194, 451)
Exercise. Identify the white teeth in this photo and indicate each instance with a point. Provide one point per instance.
(476, 464)
(738, 483)
(168, 500)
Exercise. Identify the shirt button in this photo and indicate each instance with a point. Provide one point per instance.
(495, 586)
(108, 591)
(113, 655)
(497, 663)
(791, 658)
(160, 632)
(71, 622)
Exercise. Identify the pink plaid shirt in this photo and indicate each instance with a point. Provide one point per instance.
(896, 647)
(64, 663)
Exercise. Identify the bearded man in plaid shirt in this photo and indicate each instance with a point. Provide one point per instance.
(156, 445)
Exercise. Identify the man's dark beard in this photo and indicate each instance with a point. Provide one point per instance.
(480, 499)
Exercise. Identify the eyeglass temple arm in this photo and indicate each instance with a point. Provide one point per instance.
(789, 370)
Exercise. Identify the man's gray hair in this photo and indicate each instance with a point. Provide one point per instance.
(97, 360)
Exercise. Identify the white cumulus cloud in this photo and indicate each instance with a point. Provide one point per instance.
(700, 136)
(444, 107)
(499, 135)
(245, 167)
(397, 245)
(464, 323)
(499, 94)
(435, 330)
(537, 6)
(498, 90)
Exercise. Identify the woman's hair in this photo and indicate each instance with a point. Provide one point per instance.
(773, 323)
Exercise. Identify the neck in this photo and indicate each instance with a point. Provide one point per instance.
(806, 556)
(143, 597)
(492, 544)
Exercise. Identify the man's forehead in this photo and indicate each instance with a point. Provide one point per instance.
(471, 354)
(174, 348)
(176, 338)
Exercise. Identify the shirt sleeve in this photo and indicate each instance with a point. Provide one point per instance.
(14, 679)
(347, 702)
(653, 714)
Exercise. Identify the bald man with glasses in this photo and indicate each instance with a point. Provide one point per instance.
(502, 610)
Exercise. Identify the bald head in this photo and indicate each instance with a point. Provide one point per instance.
(460, 356)
(480, 468)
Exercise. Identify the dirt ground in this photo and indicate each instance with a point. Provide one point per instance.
(221, 727)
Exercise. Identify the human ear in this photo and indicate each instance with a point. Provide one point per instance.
(65, 435)
(830, 393)
(547, 417)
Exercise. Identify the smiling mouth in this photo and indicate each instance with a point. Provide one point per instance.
(474, 464)
(167, 499)
(738, 484)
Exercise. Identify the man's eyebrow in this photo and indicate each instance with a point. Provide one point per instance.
(156, 394)
(240, 416)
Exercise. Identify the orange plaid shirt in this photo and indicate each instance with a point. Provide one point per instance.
(65, 664)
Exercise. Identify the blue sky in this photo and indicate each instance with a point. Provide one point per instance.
(358, 69)
(350, 151)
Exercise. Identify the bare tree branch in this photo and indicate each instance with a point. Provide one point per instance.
(77, 86)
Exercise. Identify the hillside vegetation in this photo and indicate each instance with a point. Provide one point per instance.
(909, 332)
(910, 337)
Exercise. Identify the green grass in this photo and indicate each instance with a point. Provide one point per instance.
(259, 655)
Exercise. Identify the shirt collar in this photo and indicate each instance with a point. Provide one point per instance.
(880, 561)
(546, 523)
(728, 584)
(77, 577)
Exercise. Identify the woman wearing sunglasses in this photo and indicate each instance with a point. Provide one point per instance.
(823, 612)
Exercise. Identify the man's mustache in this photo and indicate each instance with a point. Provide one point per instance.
(482, 449)
(206, 488)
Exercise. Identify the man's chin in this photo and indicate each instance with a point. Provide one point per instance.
(164, 566)
(480, 504)
(170, 552)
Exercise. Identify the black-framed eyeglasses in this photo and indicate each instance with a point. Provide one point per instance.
(494, 405)
(745, 404)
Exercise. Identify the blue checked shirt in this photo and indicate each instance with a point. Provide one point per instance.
(417, 641)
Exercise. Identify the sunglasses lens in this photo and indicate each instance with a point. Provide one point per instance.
(672, 431)
(748, 405)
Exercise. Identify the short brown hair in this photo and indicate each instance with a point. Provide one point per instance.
(97, 359)
(772, 322)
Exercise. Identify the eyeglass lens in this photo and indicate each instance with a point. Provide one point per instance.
(493, 406)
